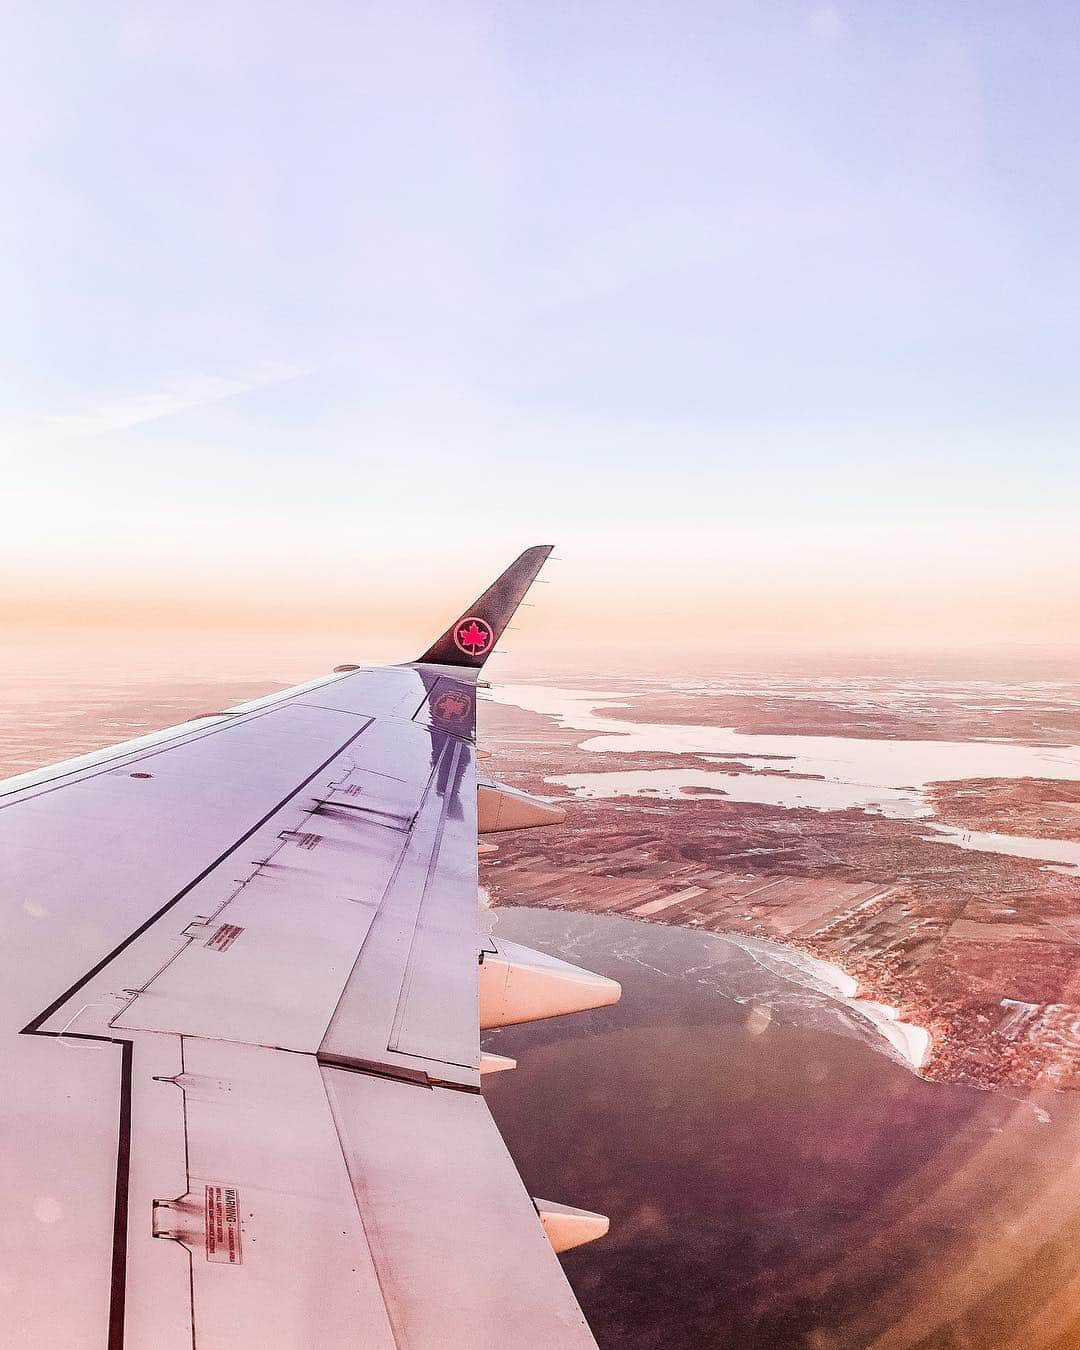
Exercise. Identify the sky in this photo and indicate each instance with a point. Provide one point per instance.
(766, 314)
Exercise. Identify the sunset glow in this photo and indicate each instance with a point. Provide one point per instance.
(771, 372)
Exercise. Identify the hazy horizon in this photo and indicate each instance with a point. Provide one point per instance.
(36, 659)
(766, 316)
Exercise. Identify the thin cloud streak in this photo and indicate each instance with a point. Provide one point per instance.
(104, 416)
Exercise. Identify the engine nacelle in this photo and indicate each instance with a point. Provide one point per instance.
(499, 807)
(566, 1227)
(518, 984)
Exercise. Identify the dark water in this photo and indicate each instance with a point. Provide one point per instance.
(772, 1179)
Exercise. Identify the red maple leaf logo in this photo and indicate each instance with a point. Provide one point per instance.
(451, 707)
(473, 636)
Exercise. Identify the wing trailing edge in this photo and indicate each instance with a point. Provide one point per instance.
(470, 639)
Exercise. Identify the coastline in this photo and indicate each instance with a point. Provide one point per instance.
(689, 833)
(913, 1043)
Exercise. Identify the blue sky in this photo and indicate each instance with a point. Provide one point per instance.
(769, 307)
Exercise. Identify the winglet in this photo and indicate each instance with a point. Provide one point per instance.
(468, 641)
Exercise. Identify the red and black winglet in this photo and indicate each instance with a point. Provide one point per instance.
(469, 641)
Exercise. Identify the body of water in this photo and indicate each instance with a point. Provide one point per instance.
(841, 759)
(776, 1174)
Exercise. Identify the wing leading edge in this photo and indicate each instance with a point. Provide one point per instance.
(240, 1010)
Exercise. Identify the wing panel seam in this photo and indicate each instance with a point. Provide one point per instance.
(118, 1276)
(42, 1017)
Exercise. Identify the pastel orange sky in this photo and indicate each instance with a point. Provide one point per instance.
(696, 601)
(762, 314)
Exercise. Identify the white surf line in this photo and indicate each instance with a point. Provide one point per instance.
(913, 1042)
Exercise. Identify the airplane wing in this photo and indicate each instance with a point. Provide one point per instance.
(241, 993)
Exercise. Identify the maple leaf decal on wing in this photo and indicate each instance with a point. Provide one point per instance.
(451, 707)
(473, 637)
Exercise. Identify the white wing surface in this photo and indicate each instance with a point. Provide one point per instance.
(240, 1010)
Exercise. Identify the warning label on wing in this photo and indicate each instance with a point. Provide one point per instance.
(223, 1225)
(224, 938)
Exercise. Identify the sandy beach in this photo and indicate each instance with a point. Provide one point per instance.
(913, 1043)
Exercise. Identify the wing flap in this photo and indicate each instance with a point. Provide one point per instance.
(418, 1014)
(266, 1224)
(461, 1255)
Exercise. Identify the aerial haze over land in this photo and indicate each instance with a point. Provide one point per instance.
(920, 835)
